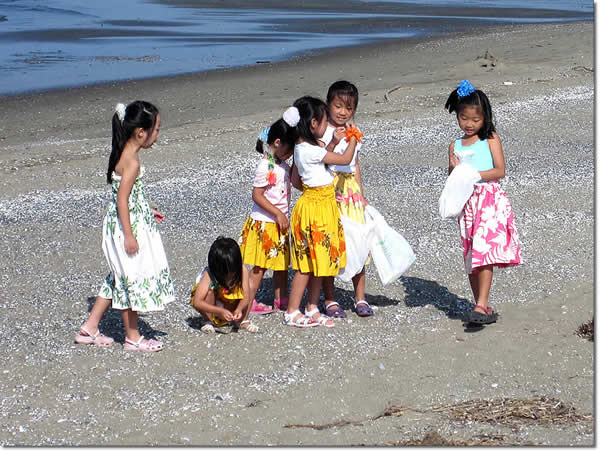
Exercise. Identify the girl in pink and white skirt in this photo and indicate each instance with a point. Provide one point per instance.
(487, 227)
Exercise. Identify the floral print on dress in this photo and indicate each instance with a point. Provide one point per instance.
(488, 230)
(306, 242)
(141, 282)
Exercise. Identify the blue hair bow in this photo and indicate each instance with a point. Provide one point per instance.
(264, 134)
(465, 88)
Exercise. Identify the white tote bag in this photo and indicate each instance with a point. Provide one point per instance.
(391, 253)
(457, 190)
(357, 250)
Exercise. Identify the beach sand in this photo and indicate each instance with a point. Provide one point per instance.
(370, 381)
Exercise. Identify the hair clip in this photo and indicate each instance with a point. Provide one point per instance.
(291, 116)
(120, 110)
(264, 134)
(465, 88)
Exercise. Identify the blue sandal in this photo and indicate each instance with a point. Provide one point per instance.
(363, 309)
(336, 312)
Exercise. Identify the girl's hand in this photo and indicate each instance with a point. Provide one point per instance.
(338, 134)
(237, 315)
(131, 245)
(282, 222)
(157, 215)
(226, 315)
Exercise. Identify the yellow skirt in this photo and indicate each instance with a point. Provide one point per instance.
(264, 246)
(317, 240)
(348, 195)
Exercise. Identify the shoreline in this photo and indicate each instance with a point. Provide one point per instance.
(413, 354)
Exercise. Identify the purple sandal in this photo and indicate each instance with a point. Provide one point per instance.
(363, 309)
(336, 312)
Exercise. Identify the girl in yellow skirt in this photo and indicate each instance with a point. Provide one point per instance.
(342, 100)
(264, 240)
(221, 290)
(317, 241)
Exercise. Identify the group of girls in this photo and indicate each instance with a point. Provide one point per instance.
(324, 143)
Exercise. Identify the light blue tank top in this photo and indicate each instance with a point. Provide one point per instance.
(477, 155)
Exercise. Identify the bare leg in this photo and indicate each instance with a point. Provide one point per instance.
(100, 307)
(130, 324)
(299, 283)
(280, 284)
(254, 280)
(481, 283)
(328, 290)
(359, 281)
(312, 307)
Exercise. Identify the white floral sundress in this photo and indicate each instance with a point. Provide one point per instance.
(140, 282)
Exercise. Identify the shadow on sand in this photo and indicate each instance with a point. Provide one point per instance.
(112, 324)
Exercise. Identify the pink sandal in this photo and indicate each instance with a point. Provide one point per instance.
(149, 346)
(260, 308)
(97, 338)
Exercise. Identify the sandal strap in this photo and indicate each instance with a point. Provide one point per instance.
(137, 344)
(311, 313)
(333, 303)
(88, 333)
(361, 302)
(290, 317)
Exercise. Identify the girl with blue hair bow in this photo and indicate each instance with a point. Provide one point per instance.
(487, 226)
(264, 239)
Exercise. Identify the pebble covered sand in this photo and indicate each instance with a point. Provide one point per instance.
(243, 389)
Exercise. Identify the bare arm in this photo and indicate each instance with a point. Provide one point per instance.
(452, 159)
(243, 303)
(131, 169)
(359, 180)
(295, 177)
(258, 195)
(498, 156)
(344, 158)
(200, 303)
(338, 135)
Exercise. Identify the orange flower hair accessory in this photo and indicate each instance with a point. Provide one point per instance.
(353, 131)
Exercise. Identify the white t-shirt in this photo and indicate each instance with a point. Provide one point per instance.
(341, 148)
(277, 191)
(311, 168)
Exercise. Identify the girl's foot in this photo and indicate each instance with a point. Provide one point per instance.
(207, 328)
(281, 304)
(297, 319)
(319, 318)
(363, 309)
(332, 309)
(97, 338)
(148, 345)
(248, 326)
(483, 315)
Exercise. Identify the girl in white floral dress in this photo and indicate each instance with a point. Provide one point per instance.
(139, 279)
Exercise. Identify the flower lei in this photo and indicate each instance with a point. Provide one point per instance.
(353, 131)
(465, 88)
(271, 176)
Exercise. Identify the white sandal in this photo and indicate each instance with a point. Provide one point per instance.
(322, 319)
(250, 328)
(302, 322)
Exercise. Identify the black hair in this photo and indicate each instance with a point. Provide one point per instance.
(344, 90)
(282, 131)
(225, 262)
(138, 114)
(476, 98)
(309, 108)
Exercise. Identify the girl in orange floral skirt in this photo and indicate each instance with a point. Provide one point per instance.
(264, 240)
(317, 241)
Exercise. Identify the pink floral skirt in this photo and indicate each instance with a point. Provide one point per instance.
(488, 230)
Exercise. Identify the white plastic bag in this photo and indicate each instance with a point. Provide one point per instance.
(457, 190)
(391, 253)
(357, 250)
